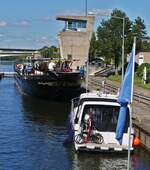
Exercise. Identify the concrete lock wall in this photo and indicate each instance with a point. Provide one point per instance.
(143, 135)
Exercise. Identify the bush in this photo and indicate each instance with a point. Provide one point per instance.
(140, 71)
(125, 67)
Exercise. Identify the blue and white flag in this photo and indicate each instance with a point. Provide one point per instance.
(125, 95)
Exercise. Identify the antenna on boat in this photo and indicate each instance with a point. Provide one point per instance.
(86, 10)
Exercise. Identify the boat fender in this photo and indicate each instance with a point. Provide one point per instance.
(136, 142)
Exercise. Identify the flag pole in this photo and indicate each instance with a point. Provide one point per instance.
(131, 111)
(129, 140)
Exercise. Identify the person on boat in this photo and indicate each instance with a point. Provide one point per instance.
(82, 72)
(28, 69)
(43, 67)
(58, 66)
(36, 65)
(51, 66)
(21, 68)
(66, 66)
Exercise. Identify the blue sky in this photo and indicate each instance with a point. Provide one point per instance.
(32, 24)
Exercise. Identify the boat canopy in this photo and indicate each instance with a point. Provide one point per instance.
(97, 100)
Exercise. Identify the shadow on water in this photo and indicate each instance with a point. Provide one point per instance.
(44, 111)
(44, 133)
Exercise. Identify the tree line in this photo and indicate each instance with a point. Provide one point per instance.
(106, 42)
(50, 52)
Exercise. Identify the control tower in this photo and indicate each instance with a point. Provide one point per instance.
(74, 39)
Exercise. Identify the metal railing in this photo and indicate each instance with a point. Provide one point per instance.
(8, 73)
(110, 88)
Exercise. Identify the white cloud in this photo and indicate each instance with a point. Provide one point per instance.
(101, 12)
(22, 23)
(3, 23)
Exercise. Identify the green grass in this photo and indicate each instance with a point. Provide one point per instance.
(115, 78)
(137, 81)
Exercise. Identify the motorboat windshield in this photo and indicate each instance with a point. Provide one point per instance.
(103, 118)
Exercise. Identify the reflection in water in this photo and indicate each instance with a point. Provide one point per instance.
(99, 162)
(45, 123)
(45, 111)
(32, 131)
(141, 159)
(84, 161)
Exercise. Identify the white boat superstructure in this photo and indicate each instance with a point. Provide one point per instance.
(94, 118)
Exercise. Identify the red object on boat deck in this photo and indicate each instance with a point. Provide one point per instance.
(89, 128)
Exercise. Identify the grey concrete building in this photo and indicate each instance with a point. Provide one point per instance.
(74, 38)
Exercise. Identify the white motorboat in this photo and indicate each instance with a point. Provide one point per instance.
(94, 118)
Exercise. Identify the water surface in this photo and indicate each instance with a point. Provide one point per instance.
(32, 132)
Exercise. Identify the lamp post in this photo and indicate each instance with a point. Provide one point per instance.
(87, 61)
(86, 11)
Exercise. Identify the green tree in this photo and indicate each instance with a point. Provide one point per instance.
(146, 45)
(139, 30)
(50, 52)
(109, 35)
(93, 47)
(104, 41)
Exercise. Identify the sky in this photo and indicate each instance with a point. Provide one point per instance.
(32, 23)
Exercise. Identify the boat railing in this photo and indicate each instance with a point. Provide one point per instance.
(74, 103)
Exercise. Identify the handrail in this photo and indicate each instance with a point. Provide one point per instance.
(109, 88)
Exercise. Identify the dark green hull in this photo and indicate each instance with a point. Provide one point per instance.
(61, 86)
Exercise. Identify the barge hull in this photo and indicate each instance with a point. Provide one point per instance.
(62, 89)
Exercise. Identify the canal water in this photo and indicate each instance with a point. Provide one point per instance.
(32, 132)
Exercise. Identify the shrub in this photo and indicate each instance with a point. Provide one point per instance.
(125, 67)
